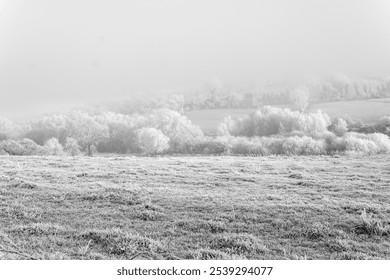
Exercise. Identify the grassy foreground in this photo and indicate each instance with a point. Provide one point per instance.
(195, 208)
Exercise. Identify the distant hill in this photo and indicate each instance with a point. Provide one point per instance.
(367, 111)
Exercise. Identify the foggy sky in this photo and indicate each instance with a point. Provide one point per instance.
(56, 53)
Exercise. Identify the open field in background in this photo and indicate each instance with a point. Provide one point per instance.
(195, 208)
(368, 111)
(208, 120)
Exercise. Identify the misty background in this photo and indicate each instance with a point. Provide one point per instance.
(58, 54)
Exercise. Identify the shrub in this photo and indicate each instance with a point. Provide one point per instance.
(53, 147)
(357, 145)
(245, 146)
(381, 140)
(25, 147)
(152, 141)
(72, 147)
(333, 143)
(31, 148)
(367, 143)
(303, 146)
(212, 146)
(226, 127)
(385, 120)
(12, 147)
(339, 127)
(273, 145)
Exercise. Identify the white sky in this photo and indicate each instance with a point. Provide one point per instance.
(56, 52)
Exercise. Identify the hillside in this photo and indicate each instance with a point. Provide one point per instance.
(194, 208)
(368, 111)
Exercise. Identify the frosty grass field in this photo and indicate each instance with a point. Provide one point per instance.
(195, 207)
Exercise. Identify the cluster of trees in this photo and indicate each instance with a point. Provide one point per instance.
(27, 147)
(177, 102)
(171, 132)
(7, 129)
(326, 143)
(87, 130)
(158, 131)
(142, 105)
(214, 95)
(228, 100)
(341, 88)
(335, 88)
(268, 121)
(282, 131)
(383, 126)
(163, 131)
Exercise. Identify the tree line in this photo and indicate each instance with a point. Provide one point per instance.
(267, 131)
(214, 95)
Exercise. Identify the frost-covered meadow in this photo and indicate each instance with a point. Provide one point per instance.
(202, 207)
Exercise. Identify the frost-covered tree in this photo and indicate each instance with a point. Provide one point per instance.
(176, 103)
(300, 98)
(32, 148)
(54, 147)
(72, 147)
(226, 126)
(12, 147)
(181, 132)
(87, 130)
(339, 127)
(152, 140)
(269, 121)
(53, 126)
(6, 128)
(122, 132)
